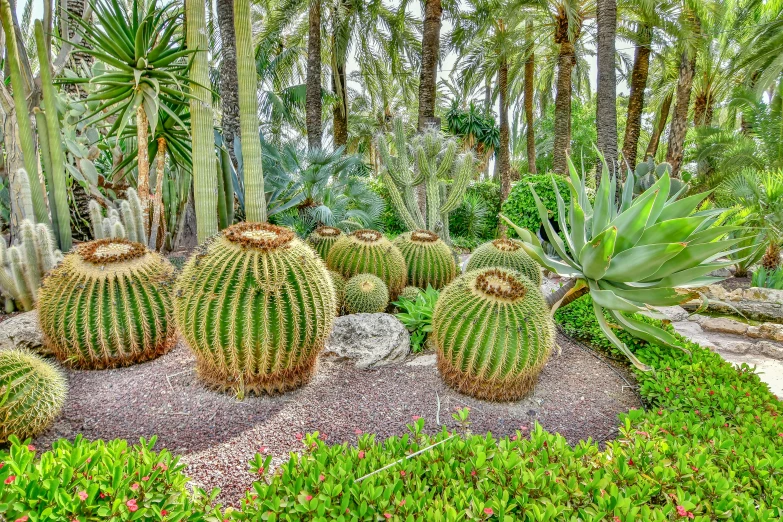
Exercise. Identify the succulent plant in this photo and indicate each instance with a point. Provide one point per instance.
(365, 294)
(507, 253)
(647, 173)
(429, 259)
(493, 333)
(108, 304)
(32, 394)
(338, 281)
(256, 305)
(323, 238)
(369, 252)
(126, 223)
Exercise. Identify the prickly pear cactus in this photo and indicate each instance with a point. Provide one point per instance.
(256, 305)
(493, 334)
(428, 258)
(108, 304)
(322, 239)
(506, 253)
(365, 294)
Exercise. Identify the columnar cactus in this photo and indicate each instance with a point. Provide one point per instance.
(32, 394)
(108, 304)
(429, 259)
(493, 334)
(369, 252)
(323, 238)
(506, 253)
(365, 294)
(127, 223)
(338, 281)
(255, 304)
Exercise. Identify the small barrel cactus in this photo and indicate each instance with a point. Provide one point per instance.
(323, 238)
(493, 334)
(429, 259)
(256, 305)
(32, 394)
(108, 304)
(369, 252)
(365, 294)
(411, 293)
(339, 289)
(505, 253)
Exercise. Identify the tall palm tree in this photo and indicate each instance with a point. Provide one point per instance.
(606, 105)
(229, 96)
(430, 56)
(313, 103)
(530, 136)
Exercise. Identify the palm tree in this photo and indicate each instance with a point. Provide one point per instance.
(530, 136)
(430, 56)
(606, 106)
(229, 96)
(313, 103)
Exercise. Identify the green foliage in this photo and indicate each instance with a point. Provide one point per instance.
(32, 393)
(583, 136)
(322, 239)
(505, 253)
(520, 207)
(477, 130)
(430, 261)
(493, 334)
(477, 215)
(365, 294)
(108, 304)
(255, 285)
(416, 308)
(763, 278)
(389, 222)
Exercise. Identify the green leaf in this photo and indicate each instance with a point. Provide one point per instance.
(596, 255)
(639, 262)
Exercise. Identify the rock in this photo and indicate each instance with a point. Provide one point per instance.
(753, 332)
(674, 313)
(737, 347)
(423, 360)
(371, 340)
(761, 304)
(23, 331)
(771, 350)
(721, 272)
(724, 325)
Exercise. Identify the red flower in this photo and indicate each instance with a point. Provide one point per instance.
(261, 470)
(10, 479)
(2, 464)
(361, 454)
(473, 473)
(357, 431)
(616, 519)
(682, 511)
(22, 519)
(488, 511)
(667, 389)
(309, 498)
(299, 436)
(132, 507)
(135, 486)
(402, 473)
(630, 462)
(31, 447)
(163, 512)
(712, 392)
(102, 495)
(402, 502)
(83, 495)
(321, 477)
(387, 515)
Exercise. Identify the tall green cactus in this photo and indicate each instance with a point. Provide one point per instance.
(436, 161)
(128, 223)
(205, 183)
(21, 196)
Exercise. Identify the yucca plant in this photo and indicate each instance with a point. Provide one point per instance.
(365, 294)
(430, 261)
(507, 253)
(630, 256)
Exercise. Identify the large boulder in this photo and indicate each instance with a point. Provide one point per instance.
(22, 331)
(371, 340)
(760, 304)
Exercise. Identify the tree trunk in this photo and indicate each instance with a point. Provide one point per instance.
(430, 54)
(487, 111)
(229, 95)
(528, 101)
(157, 203)
(143, 179)
(606, 106)
(562, 141)
(633, 125)
(313, 95)
(340, 112)
(660, 124)
(679, 125)
(503, 160)
(77, 60)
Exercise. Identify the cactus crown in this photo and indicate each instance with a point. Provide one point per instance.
(367, 235)
(506, 245)
(424, 236)
(500, 285)
(327, 231)
(105, 251)
(261, 236)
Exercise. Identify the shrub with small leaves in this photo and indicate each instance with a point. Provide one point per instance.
(505, 253)
(415, 312)
(365, 294)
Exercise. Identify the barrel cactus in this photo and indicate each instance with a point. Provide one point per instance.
(256, 305)
(369, 252)
(493, 334)
(108, 304)
(323, 238)
(365, 294)
(32, 394)
(507, 253)
(411, 293)
(338, 281)
(429, 259)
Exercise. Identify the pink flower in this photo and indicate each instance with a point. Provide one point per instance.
(145, 478)
(402, 502)
(135, 486)
(523, 428)
(473, 473)
(324, 436)
(162, 466)
(132, 507)
(321, 477)
(682, 511)
(163, 512)
(488, 511)
(10, 479)
(83, 495)
(89, 459)
(402, 473)
(616, 519)
(261, 470)
(387, 515)
(357, 431)
(262, 449)
(2, 464)
(309, 498)
(102, 495)
(31, 447)
(361, 454)
(415, 418)
(690, 515)
(299, 436)
(22, 519)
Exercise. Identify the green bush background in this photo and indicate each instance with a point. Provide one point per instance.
(520, 207)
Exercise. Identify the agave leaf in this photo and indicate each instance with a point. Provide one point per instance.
(683, 207)
(523, 233)
(690, 256)
(651, 334)
(554, 239)
(706, 236)
(601, 212)
(662, 186)
(579, 185)
(678, 279)
(671, 231)
(637, 263)
(550, 264)
(577, 231)
(596, 255)
(561, 219)
(610, 300)
(627, 192)
(631, 223)
(665, 296)
(599, 315)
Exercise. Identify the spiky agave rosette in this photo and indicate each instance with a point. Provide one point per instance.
(108, 304)
(365, 294)
(369, 252)
(492, 333)
(429, 259)
(323, 238)
(506, 253)
(32, 394)
(256, 305)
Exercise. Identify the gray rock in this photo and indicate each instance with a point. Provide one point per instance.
(771, 350)
(674, 313)
(423, 360)
(371, 340)
(23, 331)
(724, 325)
(721, 272)
(771, 331)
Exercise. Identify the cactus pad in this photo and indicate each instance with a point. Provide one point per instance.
(365, 294)
(429, 259)
(505, 253)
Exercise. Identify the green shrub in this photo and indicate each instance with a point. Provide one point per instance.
(460, 221)
(416, 307)
(764, 278)
(520, 207)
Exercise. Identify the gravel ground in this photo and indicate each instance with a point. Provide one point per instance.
(578, 395)
(732, 283)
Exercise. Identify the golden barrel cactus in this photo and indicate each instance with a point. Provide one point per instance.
(506, 253)
(429, 260)
(365, 294)
(322, 239)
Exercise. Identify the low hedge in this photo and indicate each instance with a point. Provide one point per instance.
(709, 446)
(520, 207)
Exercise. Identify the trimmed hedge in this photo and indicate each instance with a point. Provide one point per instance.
(520, 207)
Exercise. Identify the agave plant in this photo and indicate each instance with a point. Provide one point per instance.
(631, 256)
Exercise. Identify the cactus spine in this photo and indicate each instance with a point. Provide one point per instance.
(256, 305)
(127, 224)
(429, 259)
(108, 304)
(20, 196)
(369, 252)
(322, 239)
(32, 394)
(365, 294)
(506, 253)
(493, 334)
(338, 281)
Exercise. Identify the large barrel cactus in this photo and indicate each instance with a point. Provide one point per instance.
(365, 294)
(322, 239)
(256, 305)
(369, 252)
(506, 253)
(429, 259)
(32, 393)
(338, 281)
(108, 304)
(493, 334)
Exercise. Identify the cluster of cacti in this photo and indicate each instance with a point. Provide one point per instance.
(32, 394)
(506, 253)
(429, 259)
(365, 294)
(108, 304)
(322, 239)
(256, 306)
(493, 334)
(338, 281)
(430, 160)
(369, 252)
(127, 223)
(22, 267)
(647, 173)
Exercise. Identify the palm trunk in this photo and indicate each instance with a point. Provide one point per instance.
(157, 202)
(143, 156)
(679, 125)
(340, 112)
(504, 164)
(606, 106)
(528, 101)
(313, 95)
(430, 54)
(633, 125)
(229, 87)
(660, 124)
(562, 141)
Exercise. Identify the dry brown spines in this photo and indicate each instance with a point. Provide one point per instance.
(261, 236)
(367, 235)
(500, 284)
(111, 250)
(324, 231)
(506, 245)
(424, 236)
